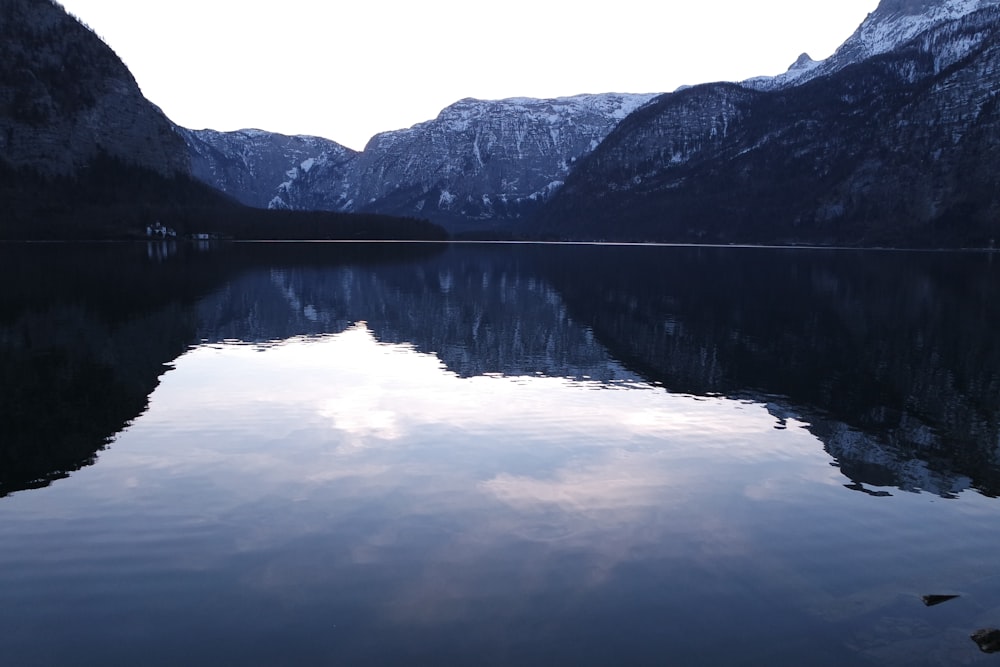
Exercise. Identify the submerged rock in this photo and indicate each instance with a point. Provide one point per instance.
(988, 640)
(931, 600)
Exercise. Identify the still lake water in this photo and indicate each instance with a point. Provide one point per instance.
(343, 454)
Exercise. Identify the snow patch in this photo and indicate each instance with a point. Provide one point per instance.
(446, 199)
(546, 192)
(888, 27)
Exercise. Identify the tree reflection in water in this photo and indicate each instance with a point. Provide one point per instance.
(889, 358)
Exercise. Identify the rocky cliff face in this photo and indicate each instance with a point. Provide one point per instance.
(259, 168)
(484, 161)
(900, 148)
(889, 27)
(65, 97)
(478, 164)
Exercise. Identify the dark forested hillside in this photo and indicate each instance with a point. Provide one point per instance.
(900, 149)
(84, 155)
(108, 199)
(65, 96)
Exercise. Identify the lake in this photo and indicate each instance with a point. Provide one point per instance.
(497, 454)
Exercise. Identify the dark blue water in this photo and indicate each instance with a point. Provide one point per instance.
(325, 454)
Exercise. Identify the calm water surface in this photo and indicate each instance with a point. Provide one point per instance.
(327, 454)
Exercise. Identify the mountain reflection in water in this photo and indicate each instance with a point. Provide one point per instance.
(889, 359)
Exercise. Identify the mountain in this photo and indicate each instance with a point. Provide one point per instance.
(258, 168)
(84, 155)
(891, 25)
(65, 97)
(479, 164)
(900, 148)
(890, 140)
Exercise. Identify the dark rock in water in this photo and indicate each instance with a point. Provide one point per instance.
(988, 640)
(931, 600)
(874, 494)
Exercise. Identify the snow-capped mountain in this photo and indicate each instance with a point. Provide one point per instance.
(887, 99)
(900, 148)
(479, 163)
(484, 161)
(892, 24)
(258, 168)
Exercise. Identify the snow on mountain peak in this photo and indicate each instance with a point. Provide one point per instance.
(893, 23)
(897, 21)
(803, 62)
(617, 105)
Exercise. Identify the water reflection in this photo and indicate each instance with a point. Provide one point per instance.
(342, 478)
(888, 356)
(888, 359)
(87, 330)
(358, 502)
(80, 353)
(496, 455)
(161, 250)
(491, 315)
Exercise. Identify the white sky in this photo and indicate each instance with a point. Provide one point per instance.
(346, 70)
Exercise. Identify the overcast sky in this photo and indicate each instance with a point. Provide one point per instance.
(346, 70)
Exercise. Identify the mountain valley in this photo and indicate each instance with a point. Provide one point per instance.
(890, 141)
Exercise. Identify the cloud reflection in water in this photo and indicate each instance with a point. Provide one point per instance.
(348, 417)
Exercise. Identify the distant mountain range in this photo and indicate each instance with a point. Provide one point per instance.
(892, 140)
(479, 163)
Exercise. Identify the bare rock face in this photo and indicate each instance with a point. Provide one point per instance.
(482, 161)
(261, 169)
(892, 24)
(478, 164)
(65, 97)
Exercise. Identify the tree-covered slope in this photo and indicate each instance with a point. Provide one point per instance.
(84, 155)
(900, 149)
(65, 96)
